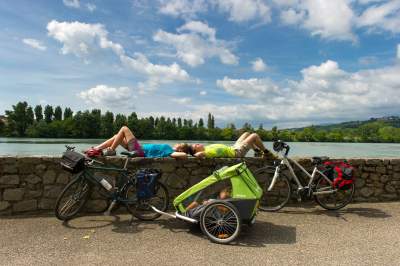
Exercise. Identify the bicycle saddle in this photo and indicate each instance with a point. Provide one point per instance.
(130, 154)
(319, 160)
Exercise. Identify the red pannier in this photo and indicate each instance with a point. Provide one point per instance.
(341, 173)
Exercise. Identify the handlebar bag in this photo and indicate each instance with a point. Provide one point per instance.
(341, 173)
(72, 161)
(146, 180)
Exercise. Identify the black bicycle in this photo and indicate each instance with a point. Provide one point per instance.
(125, 192)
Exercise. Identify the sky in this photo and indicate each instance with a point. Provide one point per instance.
(288, 63)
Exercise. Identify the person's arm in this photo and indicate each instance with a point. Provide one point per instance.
(192, 205)
(178, 155)
(200, 154)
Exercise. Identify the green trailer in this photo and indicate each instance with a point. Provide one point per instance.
(221, 219)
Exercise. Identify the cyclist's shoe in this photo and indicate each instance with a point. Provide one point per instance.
(257, 153)
(266, 154)
(93, 152)
(109, 152)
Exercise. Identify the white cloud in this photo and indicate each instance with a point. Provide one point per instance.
(203, 93)
(104, 96)
(183, 8)
(35, 44)
(183, 101)
(258, 65)
(367, 60)
(82, 39)
(91, 7)
(156, 74)
(245, 10)
(324, 93)
(196, 42)
(292, 17)
(382, 17)
(239, 10)
(249, 88)
(72, 3)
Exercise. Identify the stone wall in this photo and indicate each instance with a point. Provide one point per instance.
(32, 184)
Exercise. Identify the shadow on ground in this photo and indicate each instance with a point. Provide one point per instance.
(360, 211)
(259, 235)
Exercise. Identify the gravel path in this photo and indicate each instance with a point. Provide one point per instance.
(361, 234)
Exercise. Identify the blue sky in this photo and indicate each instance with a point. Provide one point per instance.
(287, 63)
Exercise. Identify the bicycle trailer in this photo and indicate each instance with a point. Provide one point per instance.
(221, 219)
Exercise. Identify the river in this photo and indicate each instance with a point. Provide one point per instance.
(41, 146)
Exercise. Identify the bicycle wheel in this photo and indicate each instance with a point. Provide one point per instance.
(141, 209)
(279, 195)
(72, 198)
(220, 221)
(335, 200)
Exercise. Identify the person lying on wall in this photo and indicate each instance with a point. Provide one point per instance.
(127, 139)
(241, 147)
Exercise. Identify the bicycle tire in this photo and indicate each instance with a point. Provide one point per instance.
(319, 197)
(80, 183)
(280, 194)
(142, 210)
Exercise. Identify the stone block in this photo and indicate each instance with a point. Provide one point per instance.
(63, 178)
(381, 169)
(359, 183)
(378, 191)
(9, 180)
(374, 176)
(47, 204)
(366, 192)
(10, 169)
(395, 161)
(4, 205)
(25, 169)
(13, 194)
(368, 169)
(52, 191)
(49, 177)
(40, 168)
(26, 205)
(33, 194)
(168, 167)
(374, 162)
(396, 176)
(33, 179)
(177, 182)
(389, 197)
(389, 187)
(385, 178)
(182, 172)
(364, 175)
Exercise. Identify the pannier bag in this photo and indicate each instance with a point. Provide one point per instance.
(72, 161)
(341, 173)
(146, 180)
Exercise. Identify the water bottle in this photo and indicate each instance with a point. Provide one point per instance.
(105, 184)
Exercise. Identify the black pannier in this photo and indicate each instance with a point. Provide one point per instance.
(72, 161)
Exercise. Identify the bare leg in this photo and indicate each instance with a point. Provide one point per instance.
(255, 140)
(106, 143)
(243, 137)
(124, 134)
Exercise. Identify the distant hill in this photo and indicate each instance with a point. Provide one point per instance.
(393, 121)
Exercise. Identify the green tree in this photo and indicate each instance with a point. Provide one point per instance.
(120, 121)
(48, 113)
(58, 113)
(68, 113)
(20, 118)
(107, 125)
(38, 113)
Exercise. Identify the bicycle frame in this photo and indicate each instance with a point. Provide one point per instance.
(288, 163)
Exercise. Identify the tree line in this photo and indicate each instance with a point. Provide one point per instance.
(54, 122)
